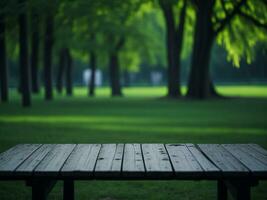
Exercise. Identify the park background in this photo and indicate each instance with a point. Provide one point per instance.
(173, 71)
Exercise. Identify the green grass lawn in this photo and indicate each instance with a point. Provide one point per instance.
(143, 117)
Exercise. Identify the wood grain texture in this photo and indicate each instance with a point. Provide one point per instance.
(245, 156)
(54, 160)
(157, 162)
(82, 160)
(27, 167)
(13, 157)
(183, 162)
(133, 163)
(228, 164)
(259, 149)
(109, 161)
(261, 156)
(204, 162)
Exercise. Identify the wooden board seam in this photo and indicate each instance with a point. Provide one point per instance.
(207, 157)
(59, 171)
(173, 171)
(40, 145)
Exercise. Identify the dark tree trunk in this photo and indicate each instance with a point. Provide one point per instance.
(127, 79)
(3, 60)
(61, 69)
(23, 57)
(34, 51)
(68, 73)
(114, 70)
(48, 47)
(93, 70)
(174, 39)
(200, 85)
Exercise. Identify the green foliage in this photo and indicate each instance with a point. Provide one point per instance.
(240, 38)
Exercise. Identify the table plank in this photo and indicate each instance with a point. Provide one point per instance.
(206, 165)
(255, 166)
(227, 163)
(54, 160)
(13, 157)
(254, 153)
(109, 160)
(259, 149)
(133, 163)
(81, 161)
(27, 167)
(157, 162)
(184, 163)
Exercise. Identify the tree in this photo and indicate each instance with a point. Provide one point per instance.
(93, 70)
(174, 40)
(48, 52)
(61, 69)
(3, 56)
(211, 20)
(68, 73)
(114, 68)
(23, 56)
(35, 36)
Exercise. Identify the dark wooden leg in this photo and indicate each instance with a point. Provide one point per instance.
(40, 188)
(243, 193)
(240, 190)
(68, 190)
(221, 190)
(38, 193)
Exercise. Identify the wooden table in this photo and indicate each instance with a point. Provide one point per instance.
(235, 167)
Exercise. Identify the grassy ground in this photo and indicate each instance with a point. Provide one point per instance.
(142, 116)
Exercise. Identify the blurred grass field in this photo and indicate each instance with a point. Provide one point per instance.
(140, 116)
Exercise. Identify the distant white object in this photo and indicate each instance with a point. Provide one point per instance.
(87, 77)
(156, 77)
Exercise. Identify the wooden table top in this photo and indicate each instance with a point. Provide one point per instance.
(134, 161)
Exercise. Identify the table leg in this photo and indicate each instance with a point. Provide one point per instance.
(68, 190)
(221, 190)
(240, 190)
(40, 188)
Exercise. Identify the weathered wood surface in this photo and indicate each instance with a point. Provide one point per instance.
(54, 160)
(156, 159)
(12, 158)
(205, 164)
(109, 161)
(134, 161)
(255, 152)
(183, 162)
(27, 167)
(228, 164)
(82, 160)
(259, 149)
(249, 157)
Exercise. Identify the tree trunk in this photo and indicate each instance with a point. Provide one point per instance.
(68, 73)
(178, 40)
(23, 57)
(3, 60)
(34, 51)
(173, 89)
(174, 40)
(114, 71)
(48, 47)
(127, 79)
(200, 86)
(93, 70)
(61, 69)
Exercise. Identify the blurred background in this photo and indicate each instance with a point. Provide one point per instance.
(178, 71)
